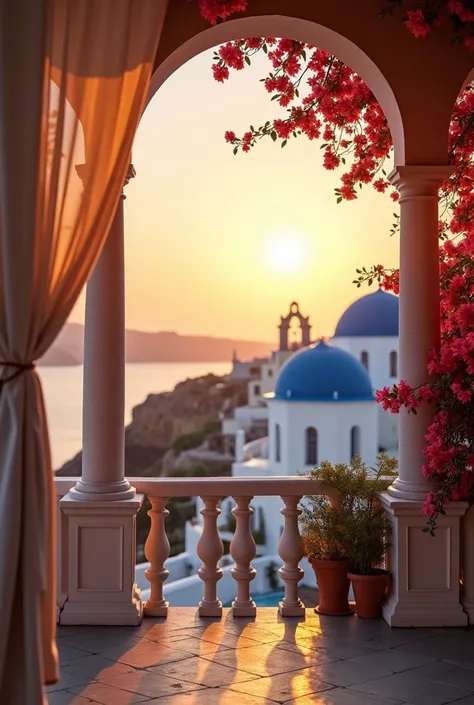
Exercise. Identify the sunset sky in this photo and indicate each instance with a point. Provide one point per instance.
(207, 232)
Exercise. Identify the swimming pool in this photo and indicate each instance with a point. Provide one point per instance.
(269, 599)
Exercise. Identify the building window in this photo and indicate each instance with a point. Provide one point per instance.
(364, 358)
(311, 446)
(355, 441)
(257, 390)
(393, 364)
(277, 442)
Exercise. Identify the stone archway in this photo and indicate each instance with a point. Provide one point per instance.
(302, 30)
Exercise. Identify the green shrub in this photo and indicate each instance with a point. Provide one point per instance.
(355, 527)
(188, 441)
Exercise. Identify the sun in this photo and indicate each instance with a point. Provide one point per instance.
(285, 251)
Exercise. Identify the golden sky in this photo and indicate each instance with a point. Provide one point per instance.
(204, 228)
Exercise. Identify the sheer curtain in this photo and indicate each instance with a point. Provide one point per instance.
(73, 81)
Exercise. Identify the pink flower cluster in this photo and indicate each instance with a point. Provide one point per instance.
(214, 10)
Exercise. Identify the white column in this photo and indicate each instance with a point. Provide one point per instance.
(239, 446)
(418, 187)
(424, 589)
(104, 374)
(100, 550)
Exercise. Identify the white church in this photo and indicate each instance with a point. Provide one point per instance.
(318, 400)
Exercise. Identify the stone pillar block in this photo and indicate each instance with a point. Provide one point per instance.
(425, 570)
(101, 557)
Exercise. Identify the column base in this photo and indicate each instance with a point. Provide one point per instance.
(468, 606)
(102, 491)
(297, 610)
(425, 570)
(104, 614)
(408, 491)
(100, 557)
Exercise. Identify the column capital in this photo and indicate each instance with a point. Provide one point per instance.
(412, 181)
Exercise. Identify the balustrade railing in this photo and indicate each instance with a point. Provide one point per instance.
(210, 547)
(242, 548)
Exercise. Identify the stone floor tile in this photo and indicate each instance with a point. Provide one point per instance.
(409, 687)
(108, 695)
(398, 637)
(212, 696)
(96, 642)
(283, 687)
(346, 673)
(199, 647)
(68, 680)
(315, 657)
(335, 649)
(441, 672)
(64, 698)
(144, 655)
(203, 672)
(150, 684)
(342, 696)
(95, 667)
(70, 653)
(226, 639)
(438, 647)
(393, 660)
(464, 661)
(264, 660)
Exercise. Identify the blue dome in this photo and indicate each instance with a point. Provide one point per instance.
(323, 373)
(374, 315)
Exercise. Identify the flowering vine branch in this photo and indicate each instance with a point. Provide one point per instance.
(324, 99)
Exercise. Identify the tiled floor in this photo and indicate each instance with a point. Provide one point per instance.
(330, 661)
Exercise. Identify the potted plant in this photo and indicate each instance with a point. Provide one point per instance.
(324, 534)
(347, 537)
(368, 533)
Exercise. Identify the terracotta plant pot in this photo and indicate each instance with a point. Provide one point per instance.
(369, 593)
(333, 585)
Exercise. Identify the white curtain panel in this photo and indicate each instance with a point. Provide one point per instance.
(74, 75)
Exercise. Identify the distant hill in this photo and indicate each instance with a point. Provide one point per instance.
(162, 347)
(57, 357)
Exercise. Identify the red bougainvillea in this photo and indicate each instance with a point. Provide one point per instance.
(325, 100)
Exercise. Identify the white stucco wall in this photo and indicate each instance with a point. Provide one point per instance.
(333, 422)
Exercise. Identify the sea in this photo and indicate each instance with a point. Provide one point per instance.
(62, 387)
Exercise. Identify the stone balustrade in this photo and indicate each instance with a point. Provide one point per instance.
(242, 547)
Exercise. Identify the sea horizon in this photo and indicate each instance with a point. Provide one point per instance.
(62, 388)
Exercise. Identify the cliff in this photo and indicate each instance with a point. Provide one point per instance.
(141, 347)
(179, 418)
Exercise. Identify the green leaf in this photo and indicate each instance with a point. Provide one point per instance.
(236, 149)
(247, 60)
(265, 48)
(273, 135)
(297, 93)
(303, 54)
(339, 199)
(283, 144)
(276, 96)
(343, 160)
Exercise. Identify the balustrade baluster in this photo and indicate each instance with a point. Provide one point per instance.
(157, 550)
(210, 550)
(243, 551)
(290, 550)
